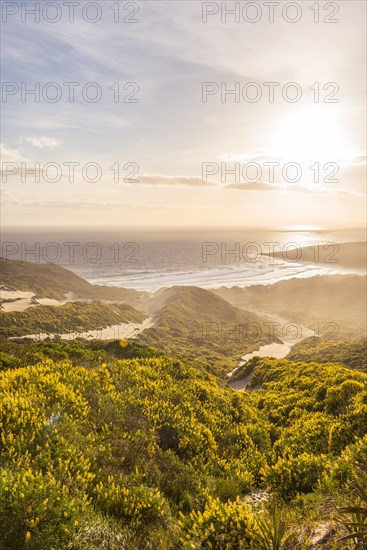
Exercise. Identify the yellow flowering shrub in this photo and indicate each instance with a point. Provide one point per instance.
(145, 450)
(37, 510)
(139, 504)
(220, 526)
(299, 474)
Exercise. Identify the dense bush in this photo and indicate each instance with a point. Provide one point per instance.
(110, 447)
(350, 354)
(293, 475)
(135, 440)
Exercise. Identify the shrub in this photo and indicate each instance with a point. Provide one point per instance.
(36, 510)
(139, 504)
(293, 475)
(221, 525)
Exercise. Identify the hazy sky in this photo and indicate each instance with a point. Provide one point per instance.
(167, 134)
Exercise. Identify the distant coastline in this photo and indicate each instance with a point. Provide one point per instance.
(147, 262)
(351, 255)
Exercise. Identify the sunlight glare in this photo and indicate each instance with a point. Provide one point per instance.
(309, 135)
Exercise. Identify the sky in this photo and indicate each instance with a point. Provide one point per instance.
(167, 143)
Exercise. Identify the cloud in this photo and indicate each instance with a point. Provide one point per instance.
(360, 160)
(43, 142)
(350, 173)
(256, 186)
(62, 205)
(161, 179)
(266, 186)
(9, 155)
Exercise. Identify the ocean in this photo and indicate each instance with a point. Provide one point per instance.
(148, 260)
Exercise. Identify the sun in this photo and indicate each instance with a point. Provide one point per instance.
(308, 135)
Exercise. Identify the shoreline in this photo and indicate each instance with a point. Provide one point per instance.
(231, 278)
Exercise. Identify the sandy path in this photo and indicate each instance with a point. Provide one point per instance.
(156, 301)
(274, 349)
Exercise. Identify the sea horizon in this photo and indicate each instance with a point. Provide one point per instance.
(151, 260)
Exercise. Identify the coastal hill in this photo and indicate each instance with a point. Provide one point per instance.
(196, 324)
(190, 322)
(56, 282)
(213, 327)
(62, 302)
(349, 354)
(319, 300)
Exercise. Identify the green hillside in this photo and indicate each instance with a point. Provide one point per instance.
(350, 354)
(134, 445)
(53, 281)
(198, 325)
(331, 304)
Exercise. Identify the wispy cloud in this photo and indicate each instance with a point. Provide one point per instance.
(287, 188)
(161, 179)
(43, 142)
(10, 155)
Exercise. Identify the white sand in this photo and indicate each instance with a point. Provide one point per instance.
(121, 331)
(275, 350)
(24, 300)
(113, 332)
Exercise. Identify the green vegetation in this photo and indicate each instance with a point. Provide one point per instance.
(45, 280)
(53, 281)
(113, 445)
(198, 326)
(333, 306)
(355, 517)
(70, 317)
(20, 353)
(352, 355)
(272, 531)
(118, 445)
